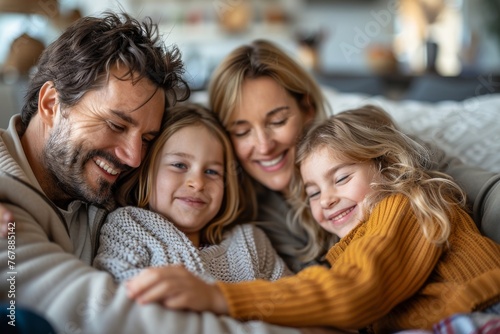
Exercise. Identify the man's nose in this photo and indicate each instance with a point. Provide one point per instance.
(130, 151)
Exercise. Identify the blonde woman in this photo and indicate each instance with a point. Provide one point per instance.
(264, 99)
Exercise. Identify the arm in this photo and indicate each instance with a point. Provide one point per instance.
(75, 297)
(121, 251)
(133, 239)
(271, 265)
(261, 261)
(379, 269)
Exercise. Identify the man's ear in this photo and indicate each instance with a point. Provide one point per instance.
(47, 103)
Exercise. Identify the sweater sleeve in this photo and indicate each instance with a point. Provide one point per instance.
(271, 265)
(73, 296)
(121, 253)
(133, 239)
(76, 298)
(375, 272)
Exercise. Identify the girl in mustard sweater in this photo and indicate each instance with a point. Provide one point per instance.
(409, 255)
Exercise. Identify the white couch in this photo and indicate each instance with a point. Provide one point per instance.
(468, 129)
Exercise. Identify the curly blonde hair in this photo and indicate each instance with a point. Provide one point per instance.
(368, 135)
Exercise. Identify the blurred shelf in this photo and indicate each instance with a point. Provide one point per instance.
(423, 87)
(204, 45)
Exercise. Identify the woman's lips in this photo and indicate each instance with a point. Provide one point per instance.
(273, 164)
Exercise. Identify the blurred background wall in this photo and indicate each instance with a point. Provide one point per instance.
(343, 39)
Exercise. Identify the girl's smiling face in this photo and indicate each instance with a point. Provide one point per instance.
(336, 190)
(189, 180)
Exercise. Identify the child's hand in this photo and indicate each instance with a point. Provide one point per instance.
(176, 288)
(5, 217)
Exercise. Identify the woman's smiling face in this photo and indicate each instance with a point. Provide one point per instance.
(264, 131)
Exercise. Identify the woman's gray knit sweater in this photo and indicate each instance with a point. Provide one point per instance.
(133, 239)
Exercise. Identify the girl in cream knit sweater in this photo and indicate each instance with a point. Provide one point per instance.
(180, 208)
(409, 255)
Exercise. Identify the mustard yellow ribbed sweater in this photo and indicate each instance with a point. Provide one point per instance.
(385, 274)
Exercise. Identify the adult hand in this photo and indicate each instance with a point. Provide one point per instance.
(176, 288)
(5, 217)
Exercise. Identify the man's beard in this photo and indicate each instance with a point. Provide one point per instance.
(65, 163)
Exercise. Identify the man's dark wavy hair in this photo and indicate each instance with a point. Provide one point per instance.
(80, 60)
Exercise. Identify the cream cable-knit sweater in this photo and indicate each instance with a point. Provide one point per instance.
(133, 239)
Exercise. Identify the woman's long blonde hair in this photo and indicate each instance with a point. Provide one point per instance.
(138, 187)
(258, 59)
(368, 135)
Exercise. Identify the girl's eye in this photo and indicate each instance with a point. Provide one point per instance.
(312, 195)
(179, 165)
(212, 172)
(342, 179)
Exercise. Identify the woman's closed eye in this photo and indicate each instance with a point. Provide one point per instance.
(278, 122)
(239, 131)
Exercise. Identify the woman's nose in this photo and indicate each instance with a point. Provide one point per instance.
(264, 141)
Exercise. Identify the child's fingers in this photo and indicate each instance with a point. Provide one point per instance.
(155, 293)
(180, 301)
(142, 282)
(163, 290)
(151, 277)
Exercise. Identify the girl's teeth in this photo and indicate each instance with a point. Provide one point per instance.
(106, 167)
(343, 214)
